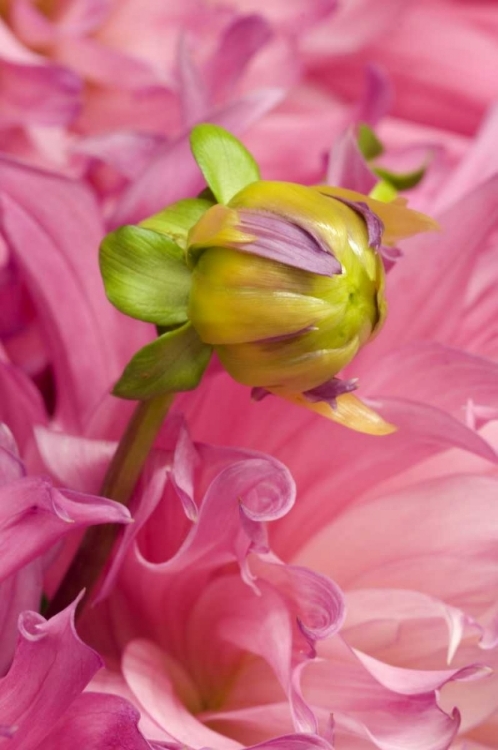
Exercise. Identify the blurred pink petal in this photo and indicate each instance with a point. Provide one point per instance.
(173, 173)
(34, 90)
(55, 243)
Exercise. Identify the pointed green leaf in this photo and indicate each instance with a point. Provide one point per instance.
(145, 275)
(369, 144)
(173, 362)
(176, 220)
(401, 180)
(223, 160)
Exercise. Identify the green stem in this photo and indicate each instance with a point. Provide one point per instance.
(118, 485)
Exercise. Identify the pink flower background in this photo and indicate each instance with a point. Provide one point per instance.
(279, 581)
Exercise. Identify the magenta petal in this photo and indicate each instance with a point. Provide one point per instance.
(99, 722)
(11, 466)
(54, 242)
(34, 515)
(21, 406)
(51, 667)
(19, 592)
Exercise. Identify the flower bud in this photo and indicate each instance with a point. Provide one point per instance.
(284, 282)
(286, 285)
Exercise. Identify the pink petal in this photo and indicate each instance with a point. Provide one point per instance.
(149, 682)
(369, 606)
(478, 165)
(173, 173)
(18, 592)
(50, 669)
(364, 708)
(192, 88)
(347, 166)
(11, 466)
(343, 474)
(240, 42)
(55, 243)
(21, 406)
(418, 542)
(34, 515)
(99, 722)
(441, 264)
(34, 90)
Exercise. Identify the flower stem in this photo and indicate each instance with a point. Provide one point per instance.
(118, 485)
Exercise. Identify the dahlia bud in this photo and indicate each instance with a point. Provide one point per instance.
(284, 282)
(287, 284)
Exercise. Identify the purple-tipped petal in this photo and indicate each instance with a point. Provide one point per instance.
(278, 239)
(375, 226)
(331, 389)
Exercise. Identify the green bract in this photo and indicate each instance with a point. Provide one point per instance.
(146, 275)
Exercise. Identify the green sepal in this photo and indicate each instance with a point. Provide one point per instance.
(145, 275)
(173, 362)
(401, 180)
(175, 221)
(224, 161)
(383, 191)
(368, 143)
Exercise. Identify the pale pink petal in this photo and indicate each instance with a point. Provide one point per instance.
(435, 537)
(416, 681)
(73, 461)
(148, 679)
(478, 165)
(367, 607)
(437, 425)
(365, 708)
(441, 263)
(50, 669)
